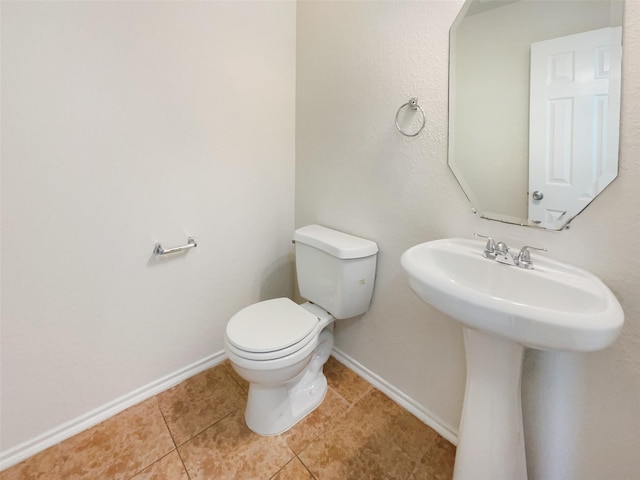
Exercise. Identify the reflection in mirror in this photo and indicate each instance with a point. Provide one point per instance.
(534, 106)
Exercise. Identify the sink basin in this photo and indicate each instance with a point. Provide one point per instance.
(503, 309)
(554, 306)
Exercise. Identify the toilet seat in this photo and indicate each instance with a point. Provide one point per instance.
(271, 329)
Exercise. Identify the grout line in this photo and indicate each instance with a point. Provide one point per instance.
(398, 396)
(313, 440)
(207, 427)
(281, 468)
(231, 373)
(224, 369)
(332, 424)
(151, 464)
(306, 468)
(173, 440)
(284, 466)
(175, 449)
(175, 445)
(184, 466)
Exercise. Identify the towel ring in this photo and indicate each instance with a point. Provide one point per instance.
(413, 104)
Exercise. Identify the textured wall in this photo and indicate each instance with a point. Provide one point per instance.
(357, 62)
(123, 124)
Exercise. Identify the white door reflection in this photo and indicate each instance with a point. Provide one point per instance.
(573, 143)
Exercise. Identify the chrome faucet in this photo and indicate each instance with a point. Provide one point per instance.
(490, 248)
(501, 254)
(524, 257)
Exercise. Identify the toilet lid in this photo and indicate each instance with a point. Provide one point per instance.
(270, 325)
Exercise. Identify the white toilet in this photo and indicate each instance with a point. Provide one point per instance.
(280, 347)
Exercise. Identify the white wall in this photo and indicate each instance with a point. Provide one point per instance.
(357, 62)
(124, 124)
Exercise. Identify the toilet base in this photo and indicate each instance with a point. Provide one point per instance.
(272, 410)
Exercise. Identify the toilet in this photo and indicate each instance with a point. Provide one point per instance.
(280, 347)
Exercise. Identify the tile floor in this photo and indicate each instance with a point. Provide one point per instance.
(196, 431)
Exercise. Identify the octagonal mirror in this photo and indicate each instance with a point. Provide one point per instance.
(534, 106)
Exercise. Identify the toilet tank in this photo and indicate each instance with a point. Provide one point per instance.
(335, 270)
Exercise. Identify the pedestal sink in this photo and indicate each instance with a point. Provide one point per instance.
(503, 309)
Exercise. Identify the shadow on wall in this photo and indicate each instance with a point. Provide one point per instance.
(278, 279)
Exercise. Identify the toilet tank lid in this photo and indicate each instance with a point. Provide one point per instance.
(333, 242)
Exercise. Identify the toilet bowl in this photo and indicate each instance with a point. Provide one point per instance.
(280, 347)
(284, 369)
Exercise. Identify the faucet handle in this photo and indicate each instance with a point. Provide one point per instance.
(524, 257)
(502, 248)
(490, 248)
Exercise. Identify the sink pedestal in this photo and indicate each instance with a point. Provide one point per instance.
(491, 438)
(502, 308)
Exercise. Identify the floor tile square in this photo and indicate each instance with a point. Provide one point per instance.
(229, 450)
(119, 447)
(388, 418)
(167, 468)
(42, 466)
(356, 449)
(437, 463)
(344, 381)
(294, 470)
(199, 402)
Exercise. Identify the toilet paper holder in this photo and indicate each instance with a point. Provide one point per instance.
(158, 250)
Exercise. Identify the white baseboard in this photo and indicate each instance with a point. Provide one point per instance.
(68, 429)
(73, 427)
(402, 399)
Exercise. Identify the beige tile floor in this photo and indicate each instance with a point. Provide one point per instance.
(196, 431)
